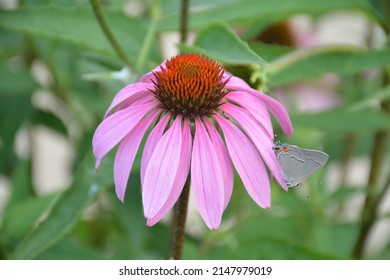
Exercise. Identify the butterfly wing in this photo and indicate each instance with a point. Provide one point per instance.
(298, 164)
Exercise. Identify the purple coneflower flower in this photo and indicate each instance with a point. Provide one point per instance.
(205, 121)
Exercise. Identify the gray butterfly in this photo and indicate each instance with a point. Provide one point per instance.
(298, 164)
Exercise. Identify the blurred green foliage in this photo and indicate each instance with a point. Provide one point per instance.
(86, 221)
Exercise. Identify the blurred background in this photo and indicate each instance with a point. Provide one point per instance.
(328, 63)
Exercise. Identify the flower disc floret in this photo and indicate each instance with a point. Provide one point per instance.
(189, 85)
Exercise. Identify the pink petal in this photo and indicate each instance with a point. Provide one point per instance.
(161, 170)
(181, 176)
(255, 106)
(112, 129)
(234, 81)
(274, 106)
(151, 143)
(131, 93)
(126, 152)
(248, 163)
(261, 141)
(280, 113)
(132, 102)
(207, 178)
(224, 160)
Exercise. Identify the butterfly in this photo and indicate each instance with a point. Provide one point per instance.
(298, 164)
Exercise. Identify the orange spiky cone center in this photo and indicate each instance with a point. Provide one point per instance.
(189, 85)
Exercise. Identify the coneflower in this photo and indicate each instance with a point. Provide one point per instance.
(204, 122)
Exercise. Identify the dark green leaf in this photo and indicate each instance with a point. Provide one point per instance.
(67, 209)
(51, 121)
(53, 2)
(268, 237)
(21, 186)
(270, 52)
(379, 11)
(16, 88)
(78, 26)
(344, 193)
(245, 11)
(222, 44)
(137, 241)
(15, 110)
(335, 239)
(341, 121)
(371, 101)
(313, 63)
(69, 249)
(16, 81)
(21, 216)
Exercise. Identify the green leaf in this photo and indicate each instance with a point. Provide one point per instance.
(340, 121)
(78, 26)
(371, 101)
(135, 240)
(269, 51)
(16, 81)
(380, 9)
(271, 249)
(69, 249)
(20, 216)
(335, 239)
(51, 121)
(313, 63)
(384, 254)
(21, 182)
(16, 88)
(246, 11)
(220, 43)
(52, 2)
(67, 209)
(344, 193)
(15, 110)
(267, 236)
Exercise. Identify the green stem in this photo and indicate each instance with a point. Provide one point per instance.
(299, 55)
(348, 150)
(374, 194)
(181, 209)
(110, 36)
(148, 41)
(181, 206)
(184, 21)
(369, 216)
(386, 9)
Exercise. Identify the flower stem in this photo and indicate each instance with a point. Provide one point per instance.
(184, 21)
(386, 9)
(374, 194)
(373, 198)
(349, 146)
(180, 218)
(110, 36)
(150, 35)
(181, 206)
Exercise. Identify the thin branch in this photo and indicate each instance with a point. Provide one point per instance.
(150, 35)
(184, 21)
(110, 36)
(374, 194)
